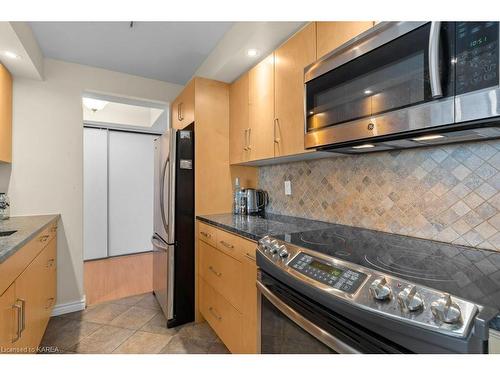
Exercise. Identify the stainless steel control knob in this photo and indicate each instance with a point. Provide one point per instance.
(379, 289)
(445, 310)
(265, 243)
(283, 252)
(274, 247)
(409, 299)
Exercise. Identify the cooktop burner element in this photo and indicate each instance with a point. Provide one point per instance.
(425, 267)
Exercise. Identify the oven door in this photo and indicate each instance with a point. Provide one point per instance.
(399, 77)
(290, 323)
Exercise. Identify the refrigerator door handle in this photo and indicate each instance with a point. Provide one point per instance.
(158, 244)
(164, 175)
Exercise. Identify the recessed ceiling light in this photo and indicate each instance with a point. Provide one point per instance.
(367, 145)
(94, 104)
(11, 55)
(428, 137)
(252, 52)
(368, 92)
(311, 112)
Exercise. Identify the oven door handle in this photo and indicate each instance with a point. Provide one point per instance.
(434, 77)
(311, 328)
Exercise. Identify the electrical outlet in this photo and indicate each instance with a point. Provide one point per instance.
(288, 188)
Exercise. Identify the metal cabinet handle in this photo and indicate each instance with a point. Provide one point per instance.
(249, 256)
(19, 322)
(435, 79)
(181, 115)
(23, 315)
(218, 274)
(276, 124)
(43, 238)
(226, 244)
(205, 234)
(319, 333)
(214, 313)
(249, 131)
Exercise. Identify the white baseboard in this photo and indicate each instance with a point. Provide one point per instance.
(69, 307)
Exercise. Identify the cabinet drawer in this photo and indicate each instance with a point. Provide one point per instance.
(207, 233)
(224, 319)
(228, 243)
(14, 266)
(222, 272)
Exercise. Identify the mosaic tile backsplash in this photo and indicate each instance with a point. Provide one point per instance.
(445, 193)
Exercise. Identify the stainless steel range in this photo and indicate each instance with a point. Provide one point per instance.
(324, 291)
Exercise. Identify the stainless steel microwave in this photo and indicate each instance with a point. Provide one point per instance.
(403, 85)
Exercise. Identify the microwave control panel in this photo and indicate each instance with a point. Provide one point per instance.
(477, 56)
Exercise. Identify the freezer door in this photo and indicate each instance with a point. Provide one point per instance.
(163, 275)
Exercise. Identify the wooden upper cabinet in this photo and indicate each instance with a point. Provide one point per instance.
(331, 35)
(261, 109)
(238, 120)
(5, 115)
(183, 107)
(290, 60)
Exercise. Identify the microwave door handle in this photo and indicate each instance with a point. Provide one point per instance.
(434, 78)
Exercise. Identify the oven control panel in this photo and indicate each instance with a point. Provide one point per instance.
(341, 278)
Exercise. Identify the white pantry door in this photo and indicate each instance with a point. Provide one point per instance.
(95, 193)
(130, 192)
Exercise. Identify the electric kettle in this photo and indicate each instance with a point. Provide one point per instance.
(257, 200)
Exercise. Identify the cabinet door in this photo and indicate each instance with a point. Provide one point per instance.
(238, 120)
(183, 107)
(333, 34)
(5, 115)
(291, 59)
(32, 298)
(261, 110)
(9, 315)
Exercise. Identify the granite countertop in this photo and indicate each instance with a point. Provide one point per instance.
(255, 227)
(27, 227)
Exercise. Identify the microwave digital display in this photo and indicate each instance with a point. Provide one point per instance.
(477, 56)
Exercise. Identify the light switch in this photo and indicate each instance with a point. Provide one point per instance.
(288, 188)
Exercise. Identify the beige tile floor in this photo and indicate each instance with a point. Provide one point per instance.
(129, 325)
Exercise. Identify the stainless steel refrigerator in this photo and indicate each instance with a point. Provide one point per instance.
(173, 237)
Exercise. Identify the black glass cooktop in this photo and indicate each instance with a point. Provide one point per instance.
(466, 272)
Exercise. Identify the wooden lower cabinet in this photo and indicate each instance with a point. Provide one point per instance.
(227, 296)
(26, 306)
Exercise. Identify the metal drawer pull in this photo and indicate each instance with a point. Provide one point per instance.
(212, 311)
(19, 322)
(317, 332)
(50, 263)
(50, 301)
(205, 234)
(23, 315)
(44, 238)
(218, 274)
(249, 256)
(227, 244)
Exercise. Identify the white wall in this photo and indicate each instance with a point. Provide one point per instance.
(47, 160)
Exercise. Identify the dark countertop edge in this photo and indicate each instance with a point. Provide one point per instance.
(249, 236)
(28, 238)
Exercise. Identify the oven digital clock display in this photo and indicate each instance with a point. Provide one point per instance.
(326, 267)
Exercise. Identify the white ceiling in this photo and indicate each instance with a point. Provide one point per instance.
(167, 51)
